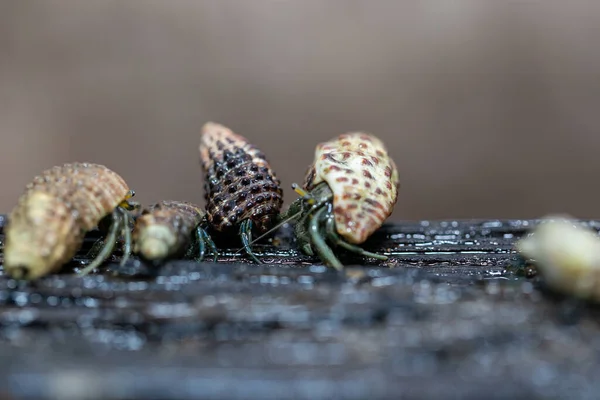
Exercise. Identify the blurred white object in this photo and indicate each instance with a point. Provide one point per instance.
(567, 254)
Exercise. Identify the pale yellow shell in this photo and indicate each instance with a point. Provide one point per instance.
(567, 255)
(48, 224)
(364, 181)
(164, 229)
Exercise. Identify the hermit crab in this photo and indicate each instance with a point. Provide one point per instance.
(349, 191)
(168, 229)
(240, 188)
(48, 225)
(567, 255)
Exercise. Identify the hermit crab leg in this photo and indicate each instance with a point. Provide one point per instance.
(321, 246)
(204, 239)
(126, 224)
(301, 229)
(126, 204)
(111, 238)
(201, 245)
(334, 237)
(295, 210)
(283, 221)
(303, 235)
(246, 235)
(125, 229)
(303, 238)
(96, 248)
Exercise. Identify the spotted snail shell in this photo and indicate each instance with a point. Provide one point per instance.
(364, 181)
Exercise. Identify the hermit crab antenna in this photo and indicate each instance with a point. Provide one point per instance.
(304, 194)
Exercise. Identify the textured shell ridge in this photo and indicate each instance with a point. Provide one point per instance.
(41, 231)
(92, 190)
(363, 179)
(56, 209)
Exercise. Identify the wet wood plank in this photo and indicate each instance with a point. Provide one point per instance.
(448, 316)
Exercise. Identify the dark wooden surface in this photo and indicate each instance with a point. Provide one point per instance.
(449, 316)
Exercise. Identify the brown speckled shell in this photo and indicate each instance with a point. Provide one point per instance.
(178, 217)
(364, 181)
(47, 226)
(239, 183)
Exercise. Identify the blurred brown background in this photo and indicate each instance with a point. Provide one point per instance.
(490, 109)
